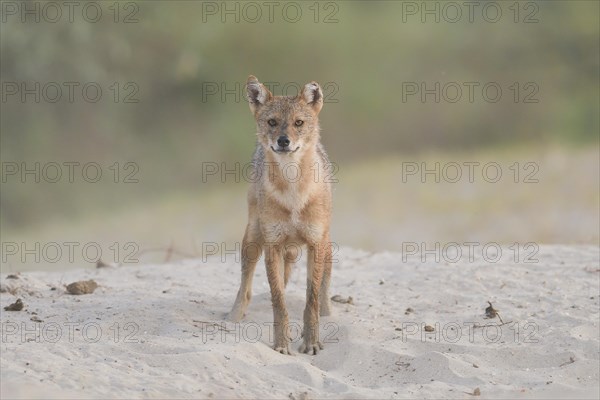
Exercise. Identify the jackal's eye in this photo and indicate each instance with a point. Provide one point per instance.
(299, 122)
(272, 122)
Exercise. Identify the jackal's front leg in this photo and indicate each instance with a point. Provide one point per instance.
(316, 256)
(273, 260)
(251, 250)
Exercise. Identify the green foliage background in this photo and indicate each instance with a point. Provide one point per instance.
(172, 54)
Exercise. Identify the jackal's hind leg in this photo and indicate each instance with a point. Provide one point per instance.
(325, 303)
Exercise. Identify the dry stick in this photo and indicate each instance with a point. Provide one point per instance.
(485, 326)
(169, 250)
(219, 326)
(571, 361)
(499, 317)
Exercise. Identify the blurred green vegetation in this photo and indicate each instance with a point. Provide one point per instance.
(376, 208)
(171, 54)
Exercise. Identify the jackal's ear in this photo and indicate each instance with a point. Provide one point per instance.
(313, 96)
(257, 93)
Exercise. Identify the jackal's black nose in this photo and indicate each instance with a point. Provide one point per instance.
(283, 141)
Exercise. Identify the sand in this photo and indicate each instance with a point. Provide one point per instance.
(158, 331)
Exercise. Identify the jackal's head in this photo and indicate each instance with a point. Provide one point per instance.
(286, 126)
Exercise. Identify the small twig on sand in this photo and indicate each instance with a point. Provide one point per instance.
(486, 325)
(571, 361)
(207, 323)
(169, 251)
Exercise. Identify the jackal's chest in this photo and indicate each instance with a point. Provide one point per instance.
(292, 198)
(289, 219)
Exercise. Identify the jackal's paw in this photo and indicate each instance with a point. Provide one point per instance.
(235, 315)
(325, 310)
(284, 350)
(312, 348)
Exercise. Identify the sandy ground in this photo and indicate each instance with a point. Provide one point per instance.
(157, 331)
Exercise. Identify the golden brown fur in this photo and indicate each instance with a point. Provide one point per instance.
(289, 206)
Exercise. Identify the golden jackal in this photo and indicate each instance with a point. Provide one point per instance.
(289, 205)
